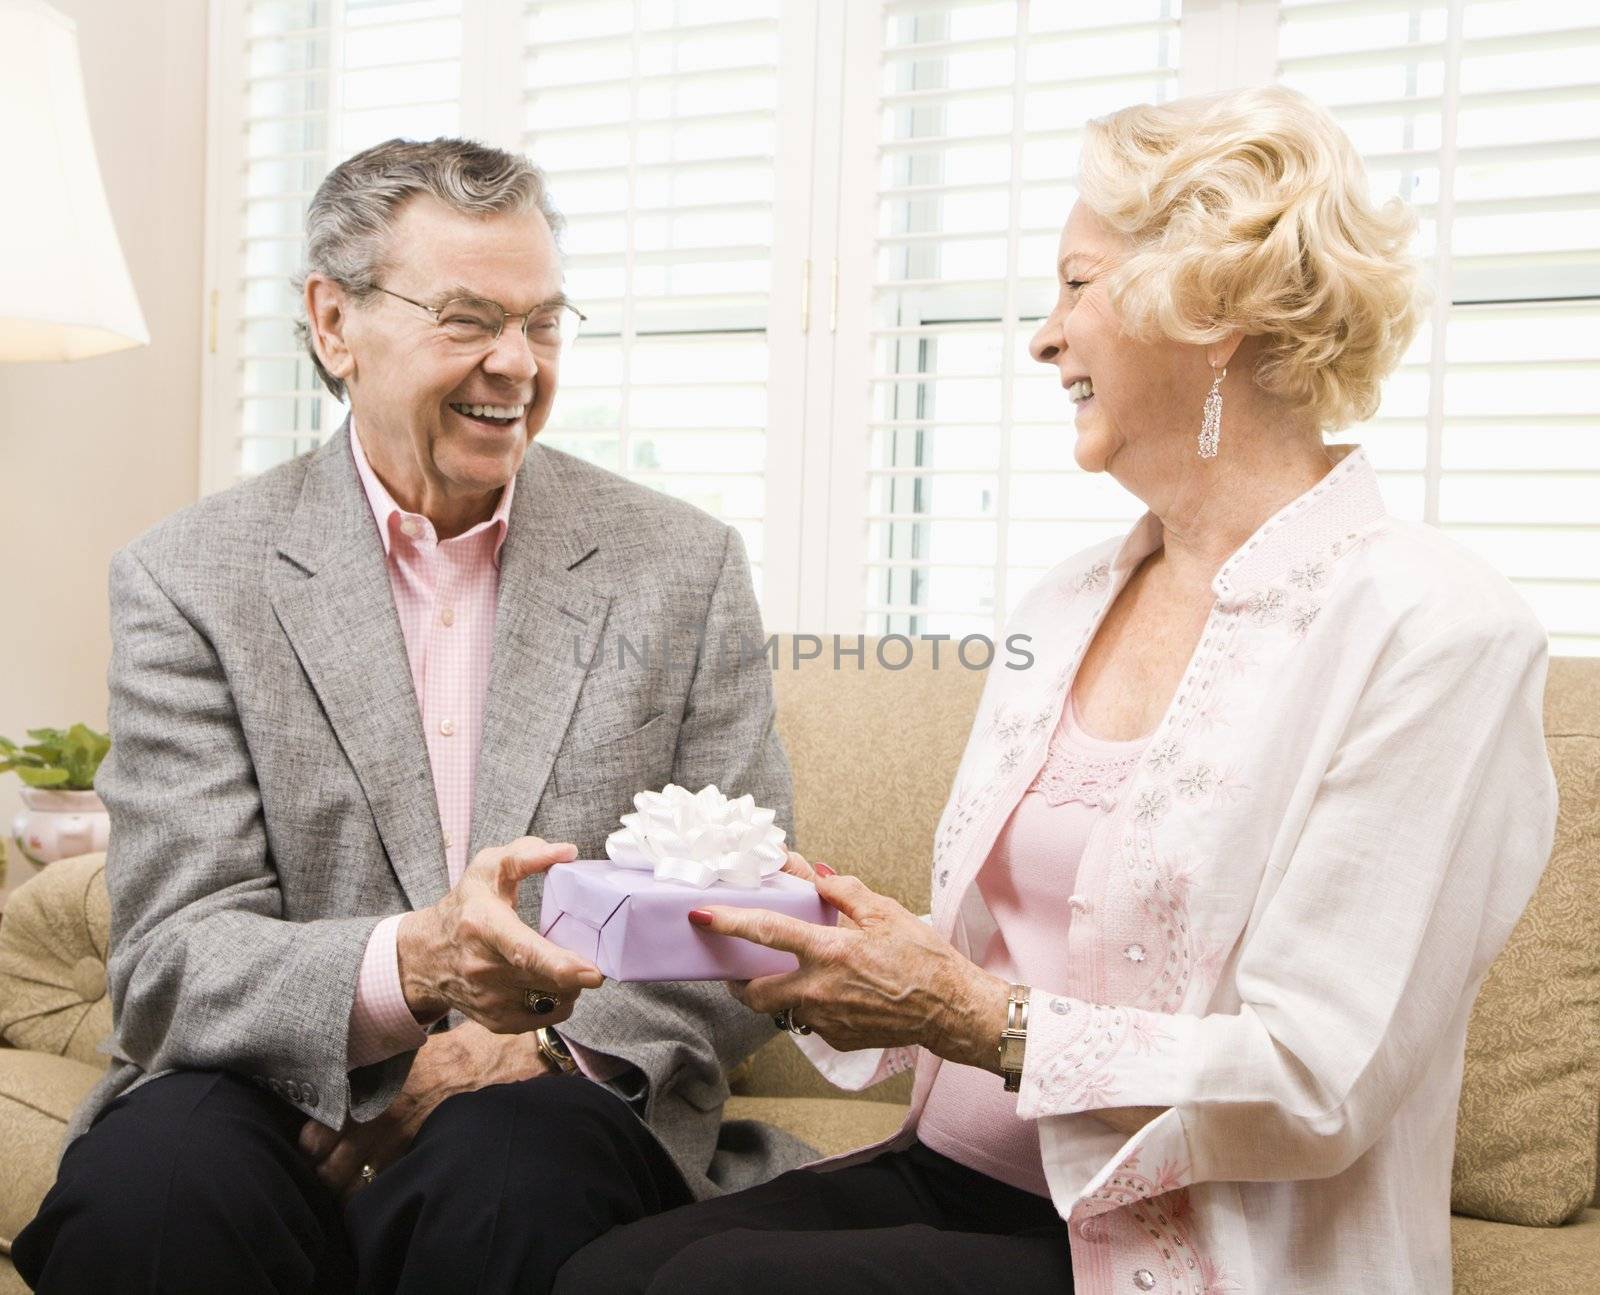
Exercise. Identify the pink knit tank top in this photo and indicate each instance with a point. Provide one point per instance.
(1027, 882)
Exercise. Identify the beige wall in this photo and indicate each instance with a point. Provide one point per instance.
(92, 453)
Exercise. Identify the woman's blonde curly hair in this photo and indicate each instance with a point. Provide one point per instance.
(1250, 211)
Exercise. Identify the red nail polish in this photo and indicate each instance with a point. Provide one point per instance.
(700, 917)
(822, 869)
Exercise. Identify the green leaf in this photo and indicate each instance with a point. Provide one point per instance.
(74, 758)
(82, 752)
(57, 758)
(43, 777)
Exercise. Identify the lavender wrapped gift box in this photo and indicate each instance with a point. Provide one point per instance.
(635, 927)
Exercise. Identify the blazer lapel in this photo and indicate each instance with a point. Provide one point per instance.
(332, 595)
(548, 623)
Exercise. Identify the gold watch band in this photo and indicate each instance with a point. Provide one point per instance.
(1014, 1038)
(553, 1051)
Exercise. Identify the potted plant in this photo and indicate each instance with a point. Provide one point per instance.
(63, 816)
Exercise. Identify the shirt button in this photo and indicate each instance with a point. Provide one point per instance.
(1077, 903)
(412, 527)
(449, 841)
(1144, 1279)
(447, 617)
(447, 727)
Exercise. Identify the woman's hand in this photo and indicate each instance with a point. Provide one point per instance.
(796, 866)
(881, 978)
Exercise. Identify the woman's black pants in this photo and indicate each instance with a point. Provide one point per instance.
(903, 1221)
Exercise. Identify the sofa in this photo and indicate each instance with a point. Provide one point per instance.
(873, 752)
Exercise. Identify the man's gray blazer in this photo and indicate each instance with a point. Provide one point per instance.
(271, 797)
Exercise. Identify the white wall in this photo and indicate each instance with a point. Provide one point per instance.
(92, 453)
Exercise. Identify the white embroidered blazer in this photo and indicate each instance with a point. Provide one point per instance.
(1278, 933)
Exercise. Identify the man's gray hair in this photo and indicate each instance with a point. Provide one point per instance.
(355, 208)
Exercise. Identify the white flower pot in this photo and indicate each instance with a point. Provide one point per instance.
(59, 824)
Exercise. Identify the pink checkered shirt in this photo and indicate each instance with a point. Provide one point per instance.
(445, 592)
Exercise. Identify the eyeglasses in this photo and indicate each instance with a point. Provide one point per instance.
(471, 324)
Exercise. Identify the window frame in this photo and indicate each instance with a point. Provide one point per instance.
(820, 304)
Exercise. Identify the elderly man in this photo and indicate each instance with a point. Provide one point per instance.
(351, 701)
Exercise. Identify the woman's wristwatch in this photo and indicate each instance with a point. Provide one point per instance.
(553, 1051)
(1014, 1038)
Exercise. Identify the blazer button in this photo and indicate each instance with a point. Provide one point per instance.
(308, 1094)
(276, 1085)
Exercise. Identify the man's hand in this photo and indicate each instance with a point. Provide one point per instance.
(461, 1061)
(471, 951)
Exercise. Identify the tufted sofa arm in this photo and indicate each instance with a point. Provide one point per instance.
(53, 943)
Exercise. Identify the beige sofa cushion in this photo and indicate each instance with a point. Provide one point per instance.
(53, 961)
(38, 1094)
(874, 753)
(1530, 1098)
(1502, 1259)
(830, 1125)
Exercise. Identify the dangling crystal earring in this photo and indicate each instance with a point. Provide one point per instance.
(1211, 418)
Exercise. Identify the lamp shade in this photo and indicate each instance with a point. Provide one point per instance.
(65, 293)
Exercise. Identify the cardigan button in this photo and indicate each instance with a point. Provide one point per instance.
(1144, 1279)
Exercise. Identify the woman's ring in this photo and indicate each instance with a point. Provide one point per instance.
(784, 1020)
(541, 1002)
(368, 1173)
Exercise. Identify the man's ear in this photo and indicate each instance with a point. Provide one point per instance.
(328, 316)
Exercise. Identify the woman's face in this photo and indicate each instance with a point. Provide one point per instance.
(1138, 402)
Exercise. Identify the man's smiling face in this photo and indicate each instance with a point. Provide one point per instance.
(410, 384)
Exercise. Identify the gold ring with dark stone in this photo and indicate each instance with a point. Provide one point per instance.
(784, 1020)
(541, 1002)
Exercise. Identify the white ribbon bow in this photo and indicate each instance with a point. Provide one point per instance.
(699, 838)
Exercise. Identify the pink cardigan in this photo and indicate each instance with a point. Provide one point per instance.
(1328, 839)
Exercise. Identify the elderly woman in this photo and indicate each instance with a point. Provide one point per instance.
(1219, 876)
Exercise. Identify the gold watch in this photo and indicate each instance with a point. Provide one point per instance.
(1014, 1038)
(553, 1051)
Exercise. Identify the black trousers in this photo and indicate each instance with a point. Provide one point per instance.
(904, 1221)
(194, 1182)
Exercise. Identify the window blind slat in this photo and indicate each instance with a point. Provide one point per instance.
(1515, 473)
(675, 280)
